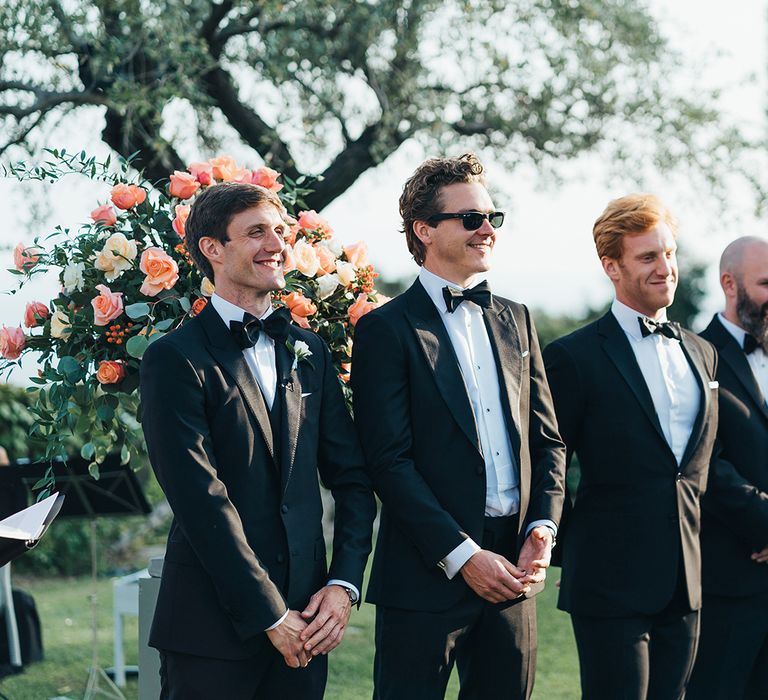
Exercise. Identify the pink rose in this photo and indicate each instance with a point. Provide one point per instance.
(183, 185)
(160, 269)
(359, 308)
(293, 229)
(104, 215)
(107, 306)
(182, 214)
(327, 260)
(357, 253)
(35, 314)
(11, 342)
(202, 172)
(25, 258)
(127, 196)
(312, 221)
(266, 177)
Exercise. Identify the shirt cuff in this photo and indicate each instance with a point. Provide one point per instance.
(345, 584)
(545, 523)
(278, 622)
(458, 557)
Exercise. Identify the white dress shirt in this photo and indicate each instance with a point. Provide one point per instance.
(469, 338)
(757, 360)
(261, 361)
(671, 382)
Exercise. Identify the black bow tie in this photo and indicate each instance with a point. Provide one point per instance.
(750, 343)
(667, 328)
(480, 294)
(276, 326)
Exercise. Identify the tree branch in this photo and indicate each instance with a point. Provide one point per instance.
(49, 100)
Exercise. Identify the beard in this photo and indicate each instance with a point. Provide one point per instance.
(753, 317)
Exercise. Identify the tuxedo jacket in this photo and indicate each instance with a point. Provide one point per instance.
(636, 515)
(735, 519)
(246, 542)
(422, 448)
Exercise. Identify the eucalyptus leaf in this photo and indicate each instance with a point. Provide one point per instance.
(136, 346)
(136, 311)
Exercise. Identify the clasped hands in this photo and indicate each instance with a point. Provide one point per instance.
(496, 579)
(760, 557)
(317, 629)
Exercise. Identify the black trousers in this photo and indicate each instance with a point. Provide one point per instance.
(732, 663)
(492, 645)
(262, 677)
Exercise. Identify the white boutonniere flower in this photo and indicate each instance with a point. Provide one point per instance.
(300, 351)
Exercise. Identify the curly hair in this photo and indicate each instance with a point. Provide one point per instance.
(635, 213)
(421, 199)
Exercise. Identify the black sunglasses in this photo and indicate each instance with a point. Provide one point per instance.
(472, 220)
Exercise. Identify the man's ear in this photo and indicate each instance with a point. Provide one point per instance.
(728, 283)
(210, 248)
(611, 267)
(423, 232)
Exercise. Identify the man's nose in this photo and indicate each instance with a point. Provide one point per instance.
(275, 241)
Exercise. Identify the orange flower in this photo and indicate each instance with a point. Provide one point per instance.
(104, 215)
(110, 372)
(12, 342)
(312, 221)
(266, 177)
(202, 172)
(300, 307)
(183, 185)
(198, 306)
(327, 260)
(224, 168)
(24, 258)
(289, 259)
(357, 253)
(160, 269)
(127, 196)
(359, 308)
(35, 314)
(182, 214)
(107, 306)
(293, 229)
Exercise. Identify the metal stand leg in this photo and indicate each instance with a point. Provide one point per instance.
(11, 629)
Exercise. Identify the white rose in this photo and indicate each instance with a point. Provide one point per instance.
(117, 256)
(72, 277)
(60, 325)
(326, 285)
(306, 258)
(207, 288)
(301, 349)
(333, 245)
(346, 272)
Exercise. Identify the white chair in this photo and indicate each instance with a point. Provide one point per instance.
(125, 601)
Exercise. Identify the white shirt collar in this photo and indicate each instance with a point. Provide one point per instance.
(229, 311)
(627, 318)
(434, 286)
(737, 332)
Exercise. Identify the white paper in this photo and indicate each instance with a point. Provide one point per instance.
(28, 524)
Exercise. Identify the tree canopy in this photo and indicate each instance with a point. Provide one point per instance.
(333, 88)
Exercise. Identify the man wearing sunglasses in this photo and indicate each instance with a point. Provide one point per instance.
(456, 420)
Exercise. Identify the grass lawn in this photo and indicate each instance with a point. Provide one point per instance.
(64, 610)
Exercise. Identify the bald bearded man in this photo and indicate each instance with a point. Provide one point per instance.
(732, 661)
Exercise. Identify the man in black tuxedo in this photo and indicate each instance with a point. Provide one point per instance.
(238, 425)
(732, 662)
(636, 401)
(456, 421)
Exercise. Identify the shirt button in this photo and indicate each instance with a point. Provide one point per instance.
(487, 410)
(498, 453)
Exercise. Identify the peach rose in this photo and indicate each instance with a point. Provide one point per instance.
(346, 272)
(104, 215)
(183, 185)
(116, 256)
(107, 306)
(306, 258)
(202, 172)
(359, 308)
(25, 258)
(289, 260)
(293, 229)
(224, 168)
(327, 260)
(207, 288)
(127, 196)
(198, 306)
(35, 314)
(11, 342)
(266, 177)
(312, 221)
(300, 307)
(182, 214)
(357, 253)
(160, 269)
(61, 326)
(110, 372)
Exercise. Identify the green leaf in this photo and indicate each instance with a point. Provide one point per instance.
(185, 303)
(71, 369)
(93, 470)
(136, 311)
(125, 455)
(105, 412)
(154, 336)
(136, 346)
(88, 450)
(164, 325)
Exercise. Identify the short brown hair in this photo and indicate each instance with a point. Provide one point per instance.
(213, 210)
(635, 213)
(420, 199)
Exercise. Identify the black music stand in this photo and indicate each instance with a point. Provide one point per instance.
(117, 492)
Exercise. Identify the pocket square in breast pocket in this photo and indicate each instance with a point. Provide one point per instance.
(304, 396)
(525, 353)
(714, 385)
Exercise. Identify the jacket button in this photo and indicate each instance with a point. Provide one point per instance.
(479, 470)
(679, 477)
(280, 558)
(283, 508)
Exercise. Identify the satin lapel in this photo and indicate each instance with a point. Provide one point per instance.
(696, 361)
(619, 351)
(230, 357)
(439, 353)
(289, 386)
(507, 349)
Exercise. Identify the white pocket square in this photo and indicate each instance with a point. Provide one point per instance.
(525, 353)
(714, 385)
(304, 396)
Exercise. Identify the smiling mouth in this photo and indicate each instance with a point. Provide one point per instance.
(272, 264)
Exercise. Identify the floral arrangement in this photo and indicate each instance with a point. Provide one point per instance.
(127, 280)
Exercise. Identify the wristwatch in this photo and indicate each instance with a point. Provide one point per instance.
(351, 594)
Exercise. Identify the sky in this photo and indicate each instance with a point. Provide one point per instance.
(544, 255)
